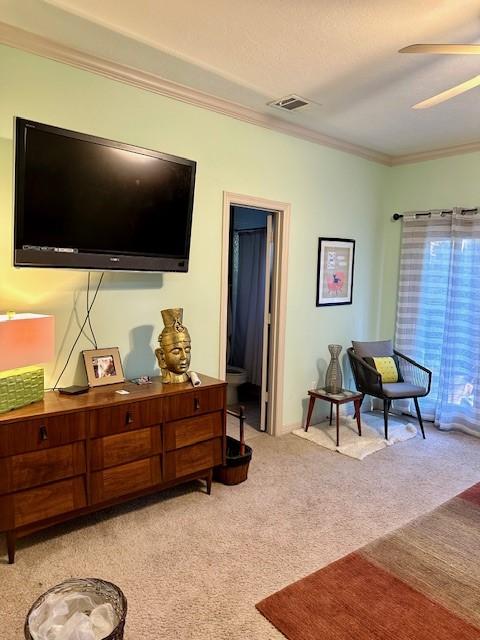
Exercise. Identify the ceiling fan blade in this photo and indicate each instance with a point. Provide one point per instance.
(449, 93)
(465, 49)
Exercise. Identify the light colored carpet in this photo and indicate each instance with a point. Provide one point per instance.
(193, 566)
(351, 444)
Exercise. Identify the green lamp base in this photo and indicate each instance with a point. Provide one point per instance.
(19, 387)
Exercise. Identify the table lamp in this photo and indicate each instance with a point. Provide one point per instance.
(26, 339)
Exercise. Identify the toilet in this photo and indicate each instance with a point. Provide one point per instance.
(235, 377)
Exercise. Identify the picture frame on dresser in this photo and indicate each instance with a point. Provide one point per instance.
(103, 366)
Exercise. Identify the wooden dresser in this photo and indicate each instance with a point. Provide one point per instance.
(70, 455)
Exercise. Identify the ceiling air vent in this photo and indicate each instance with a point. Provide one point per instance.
(289, 103)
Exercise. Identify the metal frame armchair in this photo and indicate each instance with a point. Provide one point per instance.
(416, 383)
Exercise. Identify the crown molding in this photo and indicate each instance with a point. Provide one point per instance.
(25, 40)
(33, 43)
(435, 154)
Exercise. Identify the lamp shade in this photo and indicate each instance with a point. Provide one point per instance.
(25, 339)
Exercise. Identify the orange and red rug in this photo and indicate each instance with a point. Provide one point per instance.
(421, 582)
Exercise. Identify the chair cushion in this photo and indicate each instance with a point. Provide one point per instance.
(402, 390)
(376, 349)
(387, 367)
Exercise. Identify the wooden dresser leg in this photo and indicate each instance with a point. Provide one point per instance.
(11, 539)
(209, 481)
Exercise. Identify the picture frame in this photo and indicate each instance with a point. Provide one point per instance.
(335, 265)
(103, 366)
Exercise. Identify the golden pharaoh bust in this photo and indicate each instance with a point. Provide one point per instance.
(173, 354)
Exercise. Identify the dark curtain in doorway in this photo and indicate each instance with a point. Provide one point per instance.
(248, 300)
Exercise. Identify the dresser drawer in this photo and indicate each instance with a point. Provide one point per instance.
(125, 417)
(189, 460)
(50, 500)
(125, 479)
(42, 433)
(125, 447)
(182, 433)
(193, 403)
(39, 467)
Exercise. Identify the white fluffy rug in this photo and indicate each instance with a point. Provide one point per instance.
(351, 444)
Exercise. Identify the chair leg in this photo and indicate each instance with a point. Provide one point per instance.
(419, 416)
(358, 406)
(386, 409)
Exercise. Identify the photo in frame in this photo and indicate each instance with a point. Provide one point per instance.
(336, 258)
(103, 366)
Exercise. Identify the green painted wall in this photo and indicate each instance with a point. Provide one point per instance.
(434, 184)
(332, 194)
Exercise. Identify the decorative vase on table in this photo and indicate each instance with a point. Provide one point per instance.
(333, 377)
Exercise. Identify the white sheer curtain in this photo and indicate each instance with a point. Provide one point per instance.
(248, 300)
(439, 311)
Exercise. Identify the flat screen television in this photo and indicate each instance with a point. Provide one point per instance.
(84, 202)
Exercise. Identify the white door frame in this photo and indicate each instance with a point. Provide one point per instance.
(267, 321)
(281, 212)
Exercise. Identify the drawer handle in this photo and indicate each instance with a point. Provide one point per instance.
(128, 418)
(196, 404)
(43, 433)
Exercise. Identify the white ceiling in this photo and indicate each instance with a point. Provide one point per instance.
(340, 54)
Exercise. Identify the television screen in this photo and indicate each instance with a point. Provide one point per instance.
(90, 203)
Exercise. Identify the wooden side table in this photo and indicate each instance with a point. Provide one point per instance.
(342, 397)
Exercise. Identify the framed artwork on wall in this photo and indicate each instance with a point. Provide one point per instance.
(335, 271)
(103, 366)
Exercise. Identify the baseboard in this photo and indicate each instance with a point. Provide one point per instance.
(287, 428)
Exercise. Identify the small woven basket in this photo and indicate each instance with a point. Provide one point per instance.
(235, 470)
(107, 591)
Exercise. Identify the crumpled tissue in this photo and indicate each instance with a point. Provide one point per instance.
(72, 616)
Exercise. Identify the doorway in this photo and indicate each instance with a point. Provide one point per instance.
(248, 312)
(253, 301)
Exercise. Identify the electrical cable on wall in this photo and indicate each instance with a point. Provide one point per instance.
(88, 311)
(91, 338)
(87, 319)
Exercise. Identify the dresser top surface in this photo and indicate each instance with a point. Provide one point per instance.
(55, 403)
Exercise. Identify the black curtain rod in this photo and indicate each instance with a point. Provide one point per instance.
(398, 216)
